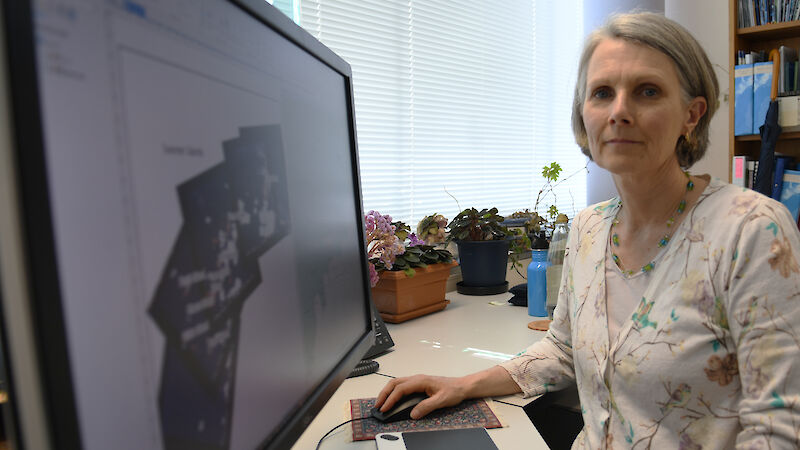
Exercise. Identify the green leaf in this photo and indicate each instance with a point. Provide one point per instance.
(400, 264)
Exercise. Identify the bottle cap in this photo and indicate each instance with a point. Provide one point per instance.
(539, 241)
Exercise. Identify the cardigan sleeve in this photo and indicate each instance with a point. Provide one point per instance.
(763, 312)
(547, 365)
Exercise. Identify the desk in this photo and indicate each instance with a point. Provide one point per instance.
(467, 336)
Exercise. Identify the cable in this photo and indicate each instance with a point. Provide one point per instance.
(364, 367)
(506, 403)
(337, 426)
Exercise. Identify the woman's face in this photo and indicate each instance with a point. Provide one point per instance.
(634, 111)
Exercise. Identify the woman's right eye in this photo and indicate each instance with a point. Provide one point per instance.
(601, 93)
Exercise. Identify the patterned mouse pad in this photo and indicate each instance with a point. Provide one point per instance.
(469, 414)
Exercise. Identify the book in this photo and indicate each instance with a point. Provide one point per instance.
(796, 86)
(788, 55)
(790, 193)
(743, 99)
(762, 84)
(751, 173)
(738, 167)
(781, 164)
(754, 174)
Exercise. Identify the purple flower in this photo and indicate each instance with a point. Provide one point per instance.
(381, 240)
(373, 275)
(415, 241)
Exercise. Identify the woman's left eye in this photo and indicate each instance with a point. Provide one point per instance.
(650, 92)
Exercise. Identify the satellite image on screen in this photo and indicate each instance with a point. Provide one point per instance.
(232, 213)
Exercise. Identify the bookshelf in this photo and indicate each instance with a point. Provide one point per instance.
(763, 37)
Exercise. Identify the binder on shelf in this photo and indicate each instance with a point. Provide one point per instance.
(790, 194)
(739, 167)
(762, 83)
(743, 100)
(781, 164)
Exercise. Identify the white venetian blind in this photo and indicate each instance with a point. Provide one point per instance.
(470, 96)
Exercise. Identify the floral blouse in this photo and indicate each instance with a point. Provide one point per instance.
(711, 356)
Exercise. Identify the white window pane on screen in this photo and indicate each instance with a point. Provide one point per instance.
(454, 94)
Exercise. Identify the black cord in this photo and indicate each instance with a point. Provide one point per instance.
(364, 367)
(506, 403)
(337, 426)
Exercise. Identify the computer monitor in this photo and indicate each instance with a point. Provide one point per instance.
(181, 230)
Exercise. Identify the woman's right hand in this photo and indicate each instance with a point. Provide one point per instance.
(441, 391)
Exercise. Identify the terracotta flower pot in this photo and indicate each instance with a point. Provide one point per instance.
(399, 297)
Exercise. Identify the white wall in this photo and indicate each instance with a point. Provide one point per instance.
(599, 185)
(707, 20)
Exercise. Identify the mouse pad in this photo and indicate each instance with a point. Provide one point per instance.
(469, 414)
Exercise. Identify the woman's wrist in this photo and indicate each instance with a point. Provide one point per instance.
(494, 381)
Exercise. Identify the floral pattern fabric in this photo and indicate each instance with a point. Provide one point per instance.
(709, 359)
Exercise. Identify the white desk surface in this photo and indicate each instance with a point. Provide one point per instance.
(469, 335)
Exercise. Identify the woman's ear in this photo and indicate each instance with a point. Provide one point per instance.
(696, 109)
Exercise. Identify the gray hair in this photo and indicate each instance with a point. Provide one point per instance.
(695, 73)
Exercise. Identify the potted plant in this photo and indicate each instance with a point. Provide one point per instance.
(483, 248)
(537, 225)
(431, 229)
(406, 283)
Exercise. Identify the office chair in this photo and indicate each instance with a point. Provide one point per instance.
(557, 417)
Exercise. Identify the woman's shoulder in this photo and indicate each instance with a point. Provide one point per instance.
(728, 210)
(726, 201)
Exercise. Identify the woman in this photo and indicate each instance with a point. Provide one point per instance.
(677, 315)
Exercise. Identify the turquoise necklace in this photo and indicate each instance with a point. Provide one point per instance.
(661, 243)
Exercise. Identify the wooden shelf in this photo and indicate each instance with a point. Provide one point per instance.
(780, 30)
(759, 38)
(783, 137)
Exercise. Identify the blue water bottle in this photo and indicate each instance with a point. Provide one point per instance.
(537, 283)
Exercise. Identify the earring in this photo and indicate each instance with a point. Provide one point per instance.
(689, 140)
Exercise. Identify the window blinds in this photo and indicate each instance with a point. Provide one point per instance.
(464, 100)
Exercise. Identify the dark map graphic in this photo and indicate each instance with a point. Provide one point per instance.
(233, 213)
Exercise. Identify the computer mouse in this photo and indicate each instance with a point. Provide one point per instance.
(401, 410)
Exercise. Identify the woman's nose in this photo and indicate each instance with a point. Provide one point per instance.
(621, 113)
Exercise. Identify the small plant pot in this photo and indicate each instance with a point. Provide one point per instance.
(483, 267)
(399, 297)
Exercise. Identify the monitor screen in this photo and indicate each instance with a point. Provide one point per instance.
(185, 224)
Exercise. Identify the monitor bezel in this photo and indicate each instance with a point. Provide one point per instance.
(45, 403)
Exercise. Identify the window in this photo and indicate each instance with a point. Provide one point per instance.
(465, 100)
